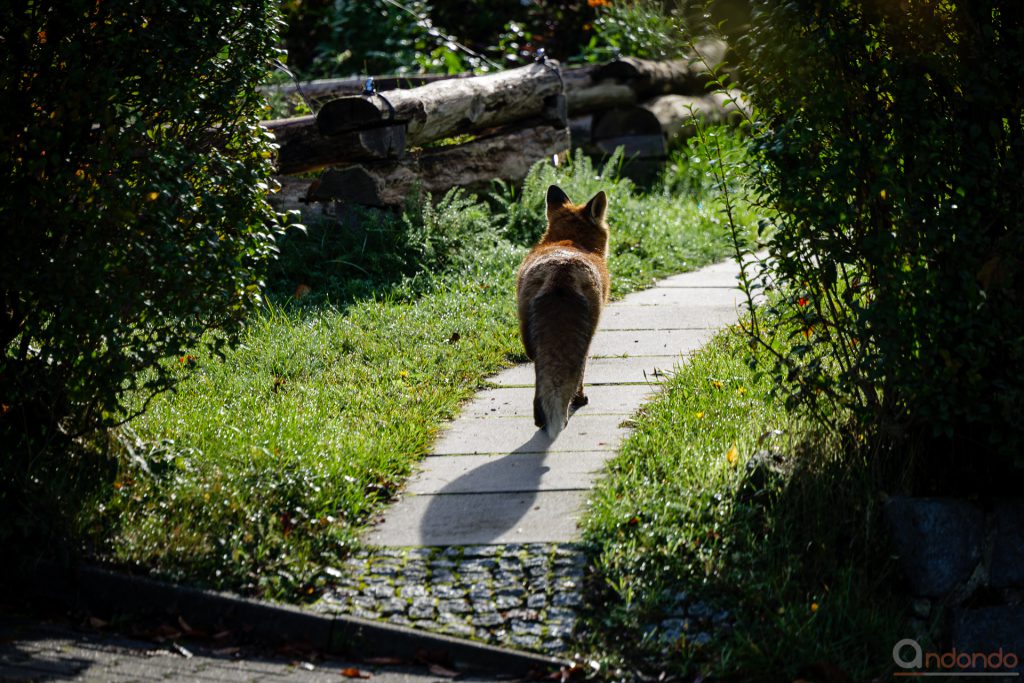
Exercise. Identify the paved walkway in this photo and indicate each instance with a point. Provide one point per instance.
(482, 543)
(493, 477)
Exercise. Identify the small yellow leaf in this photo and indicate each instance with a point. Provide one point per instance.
(814, 607)
(152, 196)
(403, 373)
(733, 455)
(716, 384)
(699, 414)
(882, 194)
(741, 391)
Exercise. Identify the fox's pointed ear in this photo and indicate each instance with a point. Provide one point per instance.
(557, 198)
(597, 206)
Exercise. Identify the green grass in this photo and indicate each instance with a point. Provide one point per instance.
(262, 468)
(795, 557)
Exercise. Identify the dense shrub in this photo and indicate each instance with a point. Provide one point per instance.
(891, 143)
(133, 203)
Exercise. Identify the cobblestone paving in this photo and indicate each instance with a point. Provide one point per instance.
(519, 595)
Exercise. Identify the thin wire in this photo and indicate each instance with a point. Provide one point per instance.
(298, 86)
(438, 33)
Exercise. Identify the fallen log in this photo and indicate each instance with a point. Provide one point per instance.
(583, 94)
(303, 148)
(678, 115)
(635, 129)
(324, 90)
(507, 155)
(442, 109)
(681, 76)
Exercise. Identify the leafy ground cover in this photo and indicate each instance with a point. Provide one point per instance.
(788, 548)
(258, 472)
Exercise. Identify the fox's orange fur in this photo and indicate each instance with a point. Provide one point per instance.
(561, 288)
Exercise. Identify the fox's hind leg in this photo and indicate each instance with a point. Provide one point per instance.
(538, 413)
(580, 399)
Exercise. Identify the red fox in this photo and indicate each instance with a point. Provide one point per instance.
(561, 288)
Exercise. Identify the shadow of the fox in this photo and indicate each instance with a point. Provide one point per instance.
(481, 517)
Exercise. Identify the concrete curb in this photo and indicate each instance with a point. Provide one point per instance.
(104, 592)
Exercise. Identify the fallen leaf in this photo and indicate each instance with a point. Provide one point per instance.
(733, 455)
(439, 670)
(301, 291)
(353, 672)
(384, 661)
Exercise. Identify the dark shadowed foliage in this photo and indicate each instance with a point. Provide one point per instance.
(133, 209)
(891, 142)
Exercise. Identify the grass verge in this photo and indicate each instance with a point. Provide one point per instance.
(713, 561)
(258, 473)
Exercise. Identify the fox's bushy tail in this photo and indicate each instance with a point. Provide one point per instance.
(561, 326)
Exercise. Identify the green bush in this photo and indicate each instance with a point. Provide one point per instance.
(890, 142)
(133, 203)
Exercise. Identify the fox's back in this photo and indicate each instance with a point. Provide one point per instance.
(563, 265)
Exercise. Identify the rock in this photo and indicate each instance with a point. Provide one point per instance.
(938, 541)
(1007, 567)
(422, 608)
(392, 606)
(488, 620)
(567, 600)
(449, 592)
(764, 470)
(456, 606)
(526, 641)
(560, 628)
(484, 606)
(536, 601)
(380, 591)
(479, 591)
(481, 565)
(507, 601)
(531, 627)
(412, 590)
(457, 628)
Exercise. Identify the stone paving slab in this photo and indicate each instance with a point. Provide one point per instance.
(447, 474)
(621, 343)
(481, 518)
(633, 370)
(696, 298)
(517, 402)
(503, 435)
(668, 317)
(722, 274)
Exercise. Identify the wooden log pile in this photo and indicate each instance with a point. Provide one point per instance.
(378, 148)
